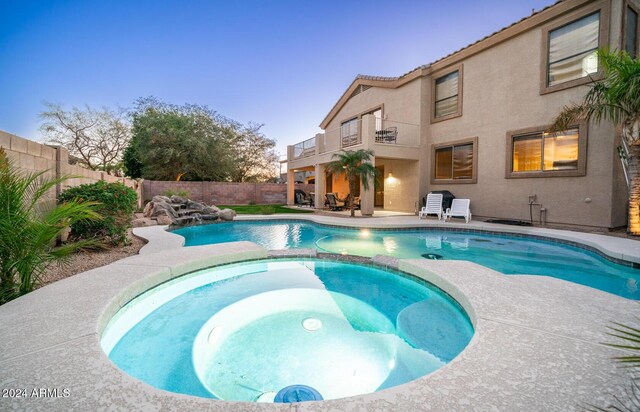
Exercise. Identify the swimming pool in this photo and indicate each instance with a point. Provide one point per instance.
(257, 330)
(509, 254)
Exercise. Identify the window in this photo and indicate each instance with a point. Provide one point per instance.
(349, 133)
(455, 162)
(631, 33)
(572, 50)
(446, 95)
(535, 153)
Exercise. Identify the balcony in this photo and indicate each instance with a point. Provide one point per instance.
(388, 137)
(304, 149)
(391, 132)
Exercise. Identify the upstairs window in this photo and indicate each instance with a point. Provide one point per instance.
(349, 133)
(446, 95)
(631, 33)
(455, 162)
(572, 50)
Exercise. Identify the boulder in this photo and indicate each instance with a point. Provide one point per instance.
(178, 199)
(191, 204)
(210, 210)
(159, 198)
(147, 209)
(164, 220)
(227, 214)
(143, 222)
(161, 208)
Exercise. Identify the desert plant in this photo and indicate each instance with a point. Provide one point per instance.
(30, 227)
(177, 192)
(354, 164)
(116, 203)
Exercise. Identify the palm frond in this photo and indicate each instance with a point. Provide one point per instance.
(28, 233)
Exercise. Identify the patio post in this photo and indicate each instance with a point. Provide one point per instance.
(368, 130)
(291, 185)
(320, 188)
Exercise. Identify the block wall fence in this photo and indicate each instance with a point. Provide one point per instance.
(32, 156)
(224, 193)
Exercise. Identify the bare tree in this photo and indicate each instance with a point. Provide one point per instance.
(97, 138)
(255, 159)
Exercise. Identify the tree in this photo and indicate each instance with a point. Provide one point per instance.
(29, 227)
(187, 142)
(354, 164)
(255, 159)
(96, 137)
(614, 98)
(131, 163)
(193, 142)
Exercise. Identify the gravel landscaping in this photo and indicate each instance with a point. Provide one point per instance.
(83, 261)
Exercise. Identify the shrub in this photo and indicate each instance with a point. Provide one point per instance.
(116, 204)
(177, 192)
(30, 226)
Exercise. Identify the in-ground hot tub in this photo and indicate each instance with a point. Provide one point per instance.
(286, 331)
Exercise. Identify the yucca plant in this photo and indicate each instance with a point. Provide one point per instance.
(614, 98)
(30, 227)
(354, 164)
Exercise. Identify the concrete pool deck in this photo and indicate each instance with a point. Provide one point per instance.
(538, 342)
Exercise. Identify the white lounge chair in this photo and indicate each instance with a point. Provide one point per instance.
(459, 208)
(433, 206)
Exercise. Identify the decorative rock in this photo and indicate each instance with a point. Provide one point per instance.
(211, 210)
(148, 208)
(195, 205)
(227, 214)
(178, 199)
(163, 208)
(143, 221)
(164, 220)
(180, 211)
(159, 198)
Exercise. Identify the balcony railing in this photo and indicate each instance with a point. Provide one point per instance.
(305, 149)
(400, 133)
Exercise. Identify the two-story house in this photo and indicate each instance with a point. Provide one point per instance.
(475, 121)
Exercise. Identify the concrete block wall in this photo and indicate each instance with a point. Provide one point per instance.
(34, 157)
(223, 193)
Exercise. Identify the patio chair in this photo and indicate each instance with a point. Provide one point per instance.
(333, 203)
(302, 201)
(433, 206)
(459, 208)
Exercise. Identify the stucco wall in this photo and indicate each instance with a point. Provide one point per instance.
(401, 191)
(501, 92)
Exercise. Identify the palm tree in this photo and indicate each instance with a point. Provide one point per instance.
(30, 227)
(614, 98)
(354, 164)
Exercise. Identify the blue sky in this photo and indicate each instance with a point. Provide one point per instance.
(281, 63)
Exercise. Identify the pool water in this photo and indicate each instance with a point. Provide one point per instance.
(246, 331)
(503, 253)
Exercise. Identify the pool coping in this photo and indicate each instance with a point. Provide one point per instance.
(537, 342)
